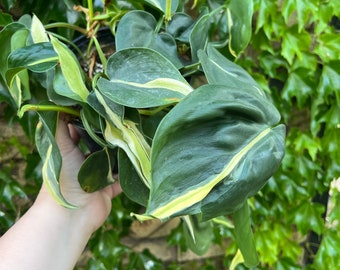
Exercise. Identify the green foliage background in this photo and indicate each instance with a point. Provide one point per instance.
(294, 53)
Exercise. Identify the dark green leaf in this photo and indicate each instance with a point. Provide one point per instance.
(238, 125)
(143, 25)
(203, 235)
(142, 78)
(240, 15)
(130, 182)
(244, 236)
(199, 36)
(161, 4)
(219, 70)
(96, 171)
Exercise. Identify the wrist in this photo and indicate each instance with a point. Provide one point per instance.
(73, 220)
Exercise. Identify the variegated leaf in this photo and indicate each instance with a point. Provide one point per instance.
(205, 156)
(142, 78)
(71, 71)
(49, 153)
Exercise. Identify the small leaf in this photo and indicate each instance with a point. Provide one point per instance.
(130, 182)
(203, 234)
(38, 57)
(71, 70)
(199, 36)
(143, 25)
(38, 32)
(96, 171)
(161, 4)
(240, 13)
(219, 70)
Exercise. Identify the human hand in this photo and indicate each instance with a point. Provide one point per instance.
(94, 206)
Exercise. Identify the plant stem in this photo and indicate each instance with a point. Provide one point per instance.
(168, 10)
(35, 107)
(66, 25)
(90, 7)
(244, 235)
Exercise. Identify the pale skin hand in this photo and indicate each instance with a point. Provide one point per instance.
(50, 236)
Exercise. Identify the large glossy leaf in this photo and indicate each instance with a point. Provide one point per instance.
(142, 78)
(227, 133)
(49, 153)
(240, 13)
(143, 25)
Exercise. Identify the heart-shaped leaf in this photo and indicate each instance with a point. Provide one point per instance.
(143, 25)
(219, 130)
(219, 70)
(161, 4)
(96, 171)
(142, 78)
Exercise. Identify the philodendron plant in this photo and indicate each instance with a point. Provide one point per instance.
(191, 133)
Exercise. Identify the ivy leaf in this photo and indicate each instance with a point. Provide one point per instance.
(329, 82)
(305, 142)
(297, 86)
(142, 78)
(328, 251)
(308, 216)
(303, 10)
(293, 43)
(143, 25)
(328, 48)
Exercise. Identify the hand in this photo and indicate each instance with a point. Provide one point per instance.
(50, 236)
(95, 206)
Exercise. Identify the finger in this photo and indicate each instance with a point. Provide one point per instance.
(113, 190)
(63, 137)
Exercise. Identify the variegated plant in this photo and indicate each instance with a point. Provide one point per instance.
(188, 150)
